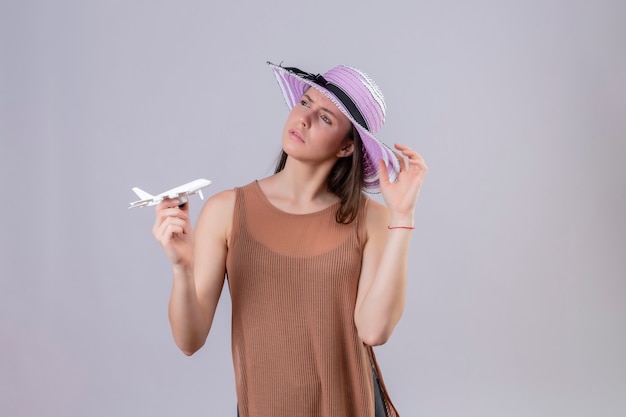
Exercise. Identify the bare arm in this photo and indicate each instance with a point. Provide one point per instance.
(199, 265)
(382, 285)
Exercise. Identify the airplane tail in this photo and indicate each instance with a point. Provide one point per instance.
(142, 194)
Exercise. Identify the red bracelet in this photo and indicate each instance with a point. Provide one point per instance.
(401, 227)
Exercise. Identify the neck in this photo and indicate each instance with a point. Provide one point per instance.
(302, 181)
(299, 187)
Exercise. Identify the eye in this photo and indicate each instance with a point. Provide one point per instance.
(326, 119)
(304, 103)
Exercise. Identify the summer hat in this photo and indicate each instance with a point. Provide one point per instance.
(356, 96)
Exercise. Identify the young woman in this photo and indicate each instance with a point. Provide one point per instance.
(316, 270)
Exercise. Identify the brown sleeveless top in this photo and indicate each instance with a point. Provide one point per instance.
(293, 282)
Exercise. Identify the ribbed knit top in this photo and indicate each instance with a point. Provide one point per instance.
(293, 282)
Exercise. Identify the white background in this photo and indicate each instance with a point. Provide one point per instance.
(517, 293)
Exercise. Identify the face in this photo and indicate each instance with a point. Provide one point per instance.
(316, 130)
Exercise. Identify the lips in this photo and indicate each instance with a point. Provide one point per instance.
(295, 135)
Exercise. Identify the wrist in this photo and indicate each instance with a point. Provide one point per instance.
(182, 270)
(397, 221)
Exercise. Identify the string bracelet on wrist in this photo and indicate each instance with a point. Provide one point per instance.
(401, 227)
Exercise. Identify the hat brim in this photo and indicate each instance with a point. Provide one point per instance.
(294, 86)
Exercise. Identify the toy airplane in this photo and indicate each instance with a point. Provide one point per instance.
(180, 193)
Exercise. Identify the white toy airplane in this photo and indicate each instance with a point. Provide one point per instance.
(181, 193)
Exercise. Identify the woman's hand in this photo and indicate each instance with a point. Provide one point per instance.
(172, 229)
(401, 196)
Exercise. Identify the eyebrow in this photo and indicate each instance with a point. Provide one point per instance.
(323, 108)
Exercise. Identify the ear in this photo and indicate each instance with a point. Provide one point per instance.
(346, 149)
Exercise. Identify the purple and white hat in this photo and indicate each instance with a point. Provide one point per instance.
(356, 96)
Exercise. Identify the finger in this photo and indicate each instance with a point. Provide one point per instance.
(406, 150)
(383, 173)
(401, 147)
(166, 216)
(170, 208)
(183, 224)
(184, 207)
(412, 154)
(173, 230)
(168, 203)
(419, 165)
(416, 160)
(159, 231)
(174, 212)
(414, 157)
(170, 236)
(170, 229)
(402, 163)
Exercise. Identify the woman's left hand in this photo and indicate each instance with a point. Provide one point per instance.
(401, 196)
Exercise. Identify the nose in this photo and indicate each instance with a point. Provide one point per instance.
(305, 119)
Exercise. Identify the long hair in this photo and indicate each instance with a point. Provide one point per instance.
(345, 179)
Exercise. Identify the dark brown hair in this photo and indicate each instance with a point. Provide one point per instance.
(345, 179)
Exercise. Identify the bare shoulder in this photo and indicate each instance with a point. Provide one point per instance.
(217, 213)
(220, 202)
(375, 212)
(376, 217)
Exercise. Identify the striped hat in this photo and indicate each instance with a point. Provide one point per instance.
(356, 96)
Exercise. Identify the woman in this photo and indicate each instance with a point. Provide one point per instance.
(316, 270)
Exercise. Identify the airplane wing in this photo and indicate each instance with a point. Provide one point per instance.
(143, 203)
(146, 198)
(142, 194)
(180, 193)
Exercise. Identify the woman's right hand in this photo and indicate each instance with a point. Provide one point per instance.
(172, 229)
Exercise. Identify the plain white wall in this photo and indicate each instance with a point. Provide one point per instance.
(516, 300)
